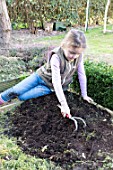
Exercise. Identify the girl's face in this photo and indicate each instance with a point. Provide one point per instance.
(72, 53)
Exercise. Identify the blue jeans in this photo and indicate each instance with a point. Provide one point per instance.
(31, 87)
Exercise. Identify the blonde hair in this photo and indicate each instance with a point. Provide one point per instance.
(74, 38)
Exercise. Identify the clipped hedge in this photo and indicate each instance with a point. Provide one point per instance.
(99, 83)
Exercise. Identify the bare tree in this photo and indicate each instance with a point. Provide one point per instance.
(87, 13)
(105, 15)
(5, 29)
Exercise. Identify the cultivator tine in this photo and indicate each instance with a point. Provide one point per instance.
(75, 121)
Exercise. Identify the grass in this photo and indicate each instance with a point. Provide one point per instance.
(50, 40)
(99, 43)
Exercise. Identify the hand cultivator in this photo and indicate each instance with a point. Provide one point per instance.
(74, 118)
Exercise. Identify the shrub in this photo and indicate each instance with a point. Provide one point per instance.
(11, 67)
(99, 82)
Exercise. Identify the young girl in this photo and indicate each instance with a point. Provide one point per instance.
(56, 74)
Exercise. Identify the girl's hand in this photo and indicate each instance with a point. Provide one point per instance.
(65, 111)
(88, 99)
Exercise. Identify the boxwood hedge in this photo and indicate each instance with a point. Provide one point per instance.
(99, 83)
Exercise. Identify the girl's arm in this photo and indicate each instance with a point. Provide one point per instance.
(82, 78)
(83, 81)
(56, 80)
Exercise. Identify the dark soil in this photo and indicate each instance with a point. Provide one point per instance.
(41, 131)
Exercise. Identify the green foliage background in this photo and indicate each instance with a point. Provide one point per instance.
(69, 11)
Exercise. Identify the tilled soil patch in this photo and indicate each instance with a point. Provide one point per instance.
(42, 132)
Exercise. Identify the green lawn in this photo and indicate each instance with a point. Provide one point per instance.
(99, 43)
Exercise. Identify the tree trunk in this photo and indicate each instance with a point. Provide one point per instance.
(105, 15)
(5, 29)
(87, 13)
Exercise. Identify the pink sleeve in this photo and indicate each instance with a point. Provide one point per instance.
(56, 79)
(82, 78)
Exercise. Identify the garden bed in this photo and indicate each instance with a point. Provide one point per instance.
(41, 131)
